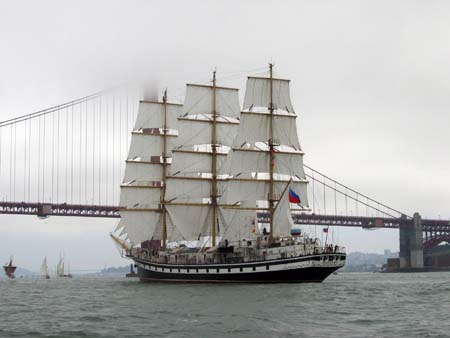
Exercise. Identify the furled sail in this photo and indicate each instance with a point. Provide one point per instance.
(207, 128)
(142, 191)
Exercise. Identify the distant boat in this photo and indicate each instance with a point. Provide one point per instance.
(10, 269)
(44, 269)
(132, 273)
(60, 269)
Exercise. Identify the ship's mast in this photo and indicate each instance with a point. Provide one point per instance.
(214, 163)
(164, 172)
(272, 155)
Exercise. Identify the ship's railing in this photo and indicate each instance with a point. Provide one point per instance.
(247, 255)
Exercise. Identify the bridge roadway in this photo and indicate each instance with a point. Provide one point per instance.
(47, 209)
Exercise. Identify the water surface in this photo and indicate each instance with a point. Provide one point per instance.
(345, 305)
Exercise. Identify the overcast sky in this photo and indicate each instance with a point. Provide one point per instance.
(370, 82)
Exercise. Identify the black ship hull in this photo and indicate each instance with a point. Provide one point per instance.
(308, 269)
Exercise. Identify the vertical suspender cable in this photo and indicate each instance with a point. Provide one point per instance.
(43, 161)
(53, 155)
(67, 154)
(335, 200)
(15, 164)
(346, 202)
(1, 154)
(79, 155)
(29, 161)
(324, 199)
(24, 159)
(100, 152)
(85, 152)
(113, 147)
(58, 141)
(128, 131)
(107, 152)
(93, 152)
(71, 157)
(39, 162)
(314, 198)
(120, 137)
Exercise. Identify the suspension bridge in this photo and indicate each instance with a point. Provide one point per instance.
(68, 160)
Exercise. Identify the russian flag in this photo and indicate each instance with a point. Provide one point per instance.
(293, 197)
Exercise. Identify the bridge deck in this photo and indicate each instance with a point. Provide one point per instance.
(47, 209)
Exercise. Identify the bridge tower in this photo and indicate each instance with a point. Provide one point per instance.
(411, 243)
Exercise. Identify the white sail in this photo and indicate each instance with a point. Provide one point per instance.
(189, 185)
(139, 197)
(191, 163)
(199, 100)
(187, 190)
(151, 115)
(44, 268)
(253, 190)
(138, 171)
(194, 220)
(145, 146)
(249, 160)
(245, 161)
(238, 224)
(139, 225)
(254, 128)
(257, 94)
(282, 218)
(60, 267)
(152, 140)
(195, 131)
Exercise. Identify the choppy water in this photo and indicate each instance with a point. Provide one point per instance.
(345, 305)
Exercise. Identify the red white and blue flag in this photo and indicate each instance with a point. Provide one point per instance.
(293, 197)
(325, 230)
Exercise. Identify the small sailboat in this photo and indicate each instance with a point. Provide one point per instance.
(10, 269)
(60, 269)
(44, 269)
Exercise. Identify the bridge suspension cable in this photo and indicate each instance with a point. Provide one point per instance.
(69, 153)
(343, 190)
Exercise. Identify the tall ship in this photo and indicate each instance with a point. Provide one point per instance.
(209, 190)
(10, 269)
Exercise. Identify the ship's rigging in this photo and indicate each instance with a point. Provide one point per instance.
(203, 170)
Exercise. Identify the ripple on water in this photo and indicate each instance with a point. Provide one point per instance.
(346, 305)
